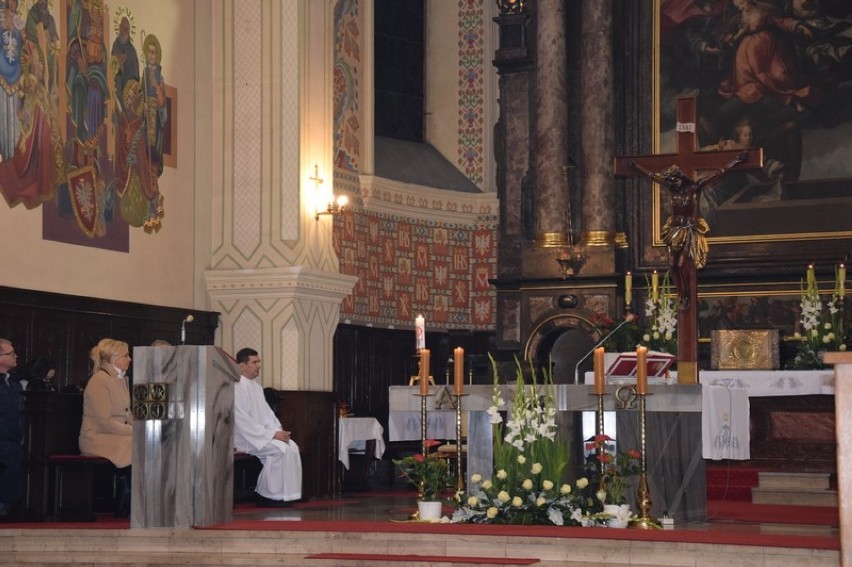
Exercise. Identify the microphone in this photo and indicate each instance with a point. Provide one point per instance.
(630, 317)
(187, 319)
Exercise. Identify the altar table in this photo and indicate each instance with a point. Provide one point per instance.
(353, 429)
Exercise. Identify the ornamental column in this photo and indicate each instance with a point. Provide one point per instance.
(551, 126)
(597, 151)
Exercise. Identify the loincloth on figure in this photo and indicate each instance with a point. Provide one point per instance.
(688, 236)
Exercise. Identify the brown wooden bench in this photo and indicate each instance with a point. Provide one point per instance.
(246, 470)
(75, 480)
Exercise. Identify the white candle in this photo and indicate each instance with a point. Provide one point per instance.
(419, 333)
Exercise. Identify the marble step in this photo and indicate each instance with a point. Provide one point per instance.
(793, 480)
(802, 497)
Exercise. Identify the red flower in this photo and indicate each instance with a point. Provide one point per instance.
(432, 443)
(418, 457)
(633, 453)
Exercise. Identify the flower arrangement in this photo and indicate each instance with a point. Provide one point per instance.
(822, 325)
(525, 486)
(427, 472)
(661, 317)
(612, 469)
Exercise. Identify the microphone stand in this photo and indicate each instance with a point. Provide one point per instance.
(626, 320)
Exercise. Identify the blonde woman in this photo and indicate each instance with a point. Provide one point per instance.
(107, 422)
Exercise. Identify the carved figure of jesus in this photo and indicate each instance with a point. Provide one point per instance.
(685, 230)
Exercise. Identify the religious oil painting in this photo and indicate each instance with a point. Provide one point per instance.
(88, 120)
(774, 74)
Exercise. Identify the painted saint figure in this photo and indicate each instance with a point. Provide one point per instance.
(11, 42)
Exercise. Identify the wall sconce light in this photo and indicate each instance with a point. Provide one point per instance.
(326, 204)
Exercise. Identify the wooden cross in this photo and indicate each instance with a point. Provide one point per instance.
(685, 203)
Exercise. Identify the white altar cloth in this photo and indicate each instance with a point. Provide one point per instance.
(354, 429)
(405, 425)
(757, 383)
(725, 408)
(760, 383)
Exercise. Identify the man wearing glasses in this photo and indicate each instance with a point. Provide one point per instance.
(11, 432)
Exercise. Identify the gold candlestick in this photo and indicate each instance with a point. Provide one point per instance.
(643, 494)
(459, 478)
(423, 448)
(599, 431)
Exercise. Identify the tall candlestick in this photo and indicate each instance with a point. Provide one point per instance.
(655, 286)
(642, 370)
(424, 371)
(628, 288)
(600, 378)
(458, 370)
(419, 333)
(841, 280)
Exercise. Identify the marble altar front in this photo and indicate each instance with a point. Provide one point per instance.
(673, 435)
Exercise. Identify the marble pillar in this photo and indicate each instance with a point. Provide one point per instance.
(512, 141)
(597, 150)
(183, 443)
(842, 362)
(551, 126)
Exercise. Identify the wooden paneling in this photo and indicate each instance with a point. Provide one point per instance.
(64, 328)
(312, 419)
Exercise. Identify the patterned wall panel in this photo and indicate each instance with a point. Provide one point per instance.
(262, 114)
(406, 266)
(248, 117)
(471, 90)
(347, 65)
(288, 129)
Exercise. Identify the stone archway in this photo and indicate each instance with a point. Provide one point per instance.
(563, 340)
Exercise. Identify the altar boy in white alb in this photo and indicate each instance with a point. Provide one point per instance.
(258, 432)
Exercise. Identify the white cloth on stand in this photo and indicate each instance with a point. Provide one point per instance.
(254, 426)
(725, 423)
(355, 429)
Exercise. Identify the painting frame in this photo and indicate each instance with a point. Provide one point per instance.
(814, 239)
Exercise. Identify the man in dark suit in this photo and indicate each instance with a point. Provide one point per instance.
(11, 431)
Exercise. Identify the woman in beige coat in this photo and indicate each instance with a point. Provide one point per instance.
(107, 429)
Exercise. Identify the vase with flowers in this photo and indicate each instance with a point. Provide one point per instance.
(526, 484)
(660, 332)
(613, 470)
(429, 473)
(822, 327)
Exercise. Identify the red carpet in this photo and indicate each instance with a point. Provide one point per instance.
(731, 483)
(738, 511)
(454, 559)
(741, 537)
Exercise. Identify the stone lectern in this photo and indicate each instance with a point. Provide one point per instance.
(182, 400)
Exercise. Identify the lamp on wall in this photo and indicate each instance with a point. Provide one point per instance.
(326, 203)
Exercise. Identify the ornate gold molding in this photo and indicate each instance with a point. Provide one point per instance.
(552, 240)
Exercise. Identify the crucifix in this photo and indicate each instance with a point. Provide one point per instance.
(684, 231)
